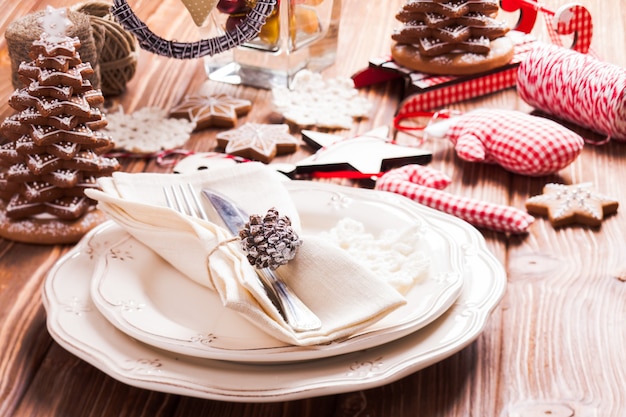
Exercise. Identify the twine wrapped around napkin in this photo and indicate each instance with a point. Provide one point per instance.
(345, 296)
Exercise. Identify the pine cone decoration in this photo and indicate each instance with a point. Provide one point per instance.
(269, 241)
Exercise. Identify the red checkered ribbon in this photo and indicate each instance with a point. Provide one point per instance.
(575, 87)
(420, 183)
(440, 91)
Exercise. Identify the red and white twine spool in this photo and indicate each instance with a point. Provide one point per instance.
(575, 87)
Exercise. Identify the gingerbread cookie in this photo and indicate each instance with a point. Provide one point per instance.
(567, 204)
(451, 37)
(454, 8)
(46, 230)
(54, 150)
(207, 111)
(454, 63)
(260, 142)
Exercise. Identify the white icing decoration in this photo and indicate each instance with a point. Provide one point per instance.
(147, 130)
(55, 22)
(313, 101)
(394, 256)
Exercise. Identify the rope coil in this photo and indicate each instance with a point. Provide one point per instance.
(575, 87)
(118, 48)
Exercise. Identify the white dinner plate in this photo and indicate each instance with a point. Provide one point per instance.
(75, 323)
(146, 298)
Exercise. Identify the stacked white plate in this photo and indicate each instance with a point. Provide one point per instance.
(114, 303)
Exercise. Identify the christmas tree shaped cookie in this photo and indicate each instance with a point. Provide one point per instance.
(54, 150)
(451, 37)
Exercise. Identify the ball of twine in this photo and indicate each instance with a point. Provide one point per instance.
(119, 52)
(575, 87)
(21, 33)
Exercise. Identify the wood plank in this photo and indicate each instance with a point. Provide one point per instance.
(553, 346)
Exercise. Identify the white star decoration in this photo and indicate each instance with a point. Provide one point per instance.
(313, 101)
(55, 22)
(370, 153)
(147, 130)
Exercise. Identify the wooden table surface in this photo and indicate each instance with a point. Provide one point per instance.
(553, 347)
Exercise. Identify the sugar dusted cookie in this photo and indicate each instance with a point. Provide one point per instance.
(211, 111)
(451, 37)
(567, 204)
(261, 142)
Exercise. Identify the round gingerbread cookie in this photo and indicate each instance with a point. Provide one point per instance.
(453, 63)
(46, 230)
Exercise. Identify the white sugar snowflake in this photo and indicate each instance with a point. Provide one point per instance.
(54, 22)
(314, 101)
(147, 130)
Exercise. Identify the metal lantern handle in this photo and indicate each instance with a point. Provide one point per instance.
(246, 30)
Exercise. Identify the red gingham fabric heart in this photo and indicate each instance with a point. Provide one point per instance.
(409, 181)
(518, 142)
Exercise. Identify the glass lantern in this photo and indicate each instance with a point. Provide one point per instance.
(298, 34)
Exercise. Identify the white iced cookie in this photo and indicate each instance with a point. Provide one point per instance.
(313, 101)
(147, 130)
(395, 255)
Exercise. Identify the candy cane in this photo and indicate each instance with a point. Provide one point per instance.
(574, 19)
(424, 185)
(527, 13)
(570, 19)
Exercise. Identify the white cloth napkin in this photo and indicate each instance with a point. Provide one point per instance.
(344, 295)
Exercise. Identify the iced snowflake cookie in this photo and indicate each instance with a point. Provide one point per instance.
(395, 255)
(314, 101)
(567, 204)
(261, 142)
(211, 110)
(147, 130)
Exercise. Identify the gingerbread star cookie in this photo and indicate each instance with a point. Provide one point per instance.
(211, 111)
(261, 142)
(567, 204)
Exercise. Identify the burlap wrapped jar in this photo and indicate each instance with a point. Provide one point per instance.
(22, 32)
(119, 52)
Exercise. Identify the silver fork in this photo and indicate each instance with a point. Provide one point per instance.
(183, 199)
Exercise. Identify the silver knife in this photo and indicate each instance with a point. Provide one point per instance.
(293, 310)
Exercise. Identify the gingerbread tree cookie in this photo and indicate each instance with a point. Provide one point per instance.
(54, 149)
(455, 37)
